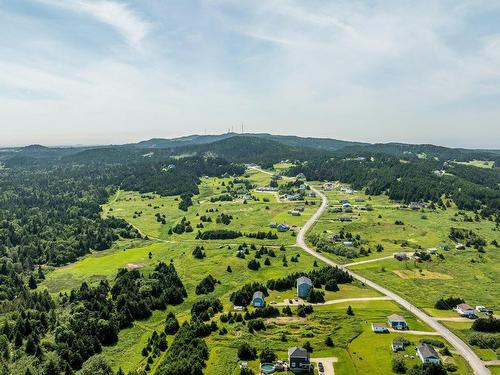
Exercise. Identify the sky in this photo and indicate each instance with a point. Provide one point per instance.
(117, 71)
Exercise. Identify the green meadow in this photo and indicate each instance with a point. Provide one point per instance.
(356, 349)
(469, 274)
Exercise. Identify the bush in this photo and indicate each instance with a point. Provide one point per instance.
(171, 324)
(485, 340)
(268, 356)
(329, 342)
(448, 303)
(253, 265)
(246, 352)
(256, 325)
(490, 324)
(97, 365)
(398, 365)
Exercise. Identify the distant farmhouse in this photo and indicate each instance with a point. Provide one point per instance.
(465, 310)
(258, 299)
(304, 286)
(283, 227)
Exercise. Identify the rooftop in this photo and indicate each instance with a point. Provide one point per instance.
(396, 318)
(427, 351)
(297, 351)
(258, 294)
(304, 280)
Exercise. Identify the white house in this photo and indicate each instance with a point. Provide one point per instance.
(427, 354)
(380, 328)
(464, 309)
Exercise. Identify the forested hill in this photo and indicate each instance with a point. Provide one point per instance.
(424, 151)
(327, 144)
(246, 149)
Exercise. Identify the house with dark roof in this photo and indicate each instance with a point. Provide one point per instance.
(299, 360)
(397, 322)
(258, 299)
(427, 354)
(283, 227)
(304, 286)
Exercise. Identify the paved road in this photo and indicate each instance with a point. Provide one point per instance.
(474, 361)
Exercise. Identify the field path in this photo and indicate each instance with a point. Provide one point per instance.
(462, 348)
(412, 332)
(370, 260)
(335, 301)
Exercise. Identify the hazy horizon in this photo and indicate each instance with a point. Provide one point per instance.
(101, 72)
(69, 145)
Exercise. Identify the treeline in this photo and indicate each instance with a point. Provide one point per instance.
(410, 181)
(327, 276)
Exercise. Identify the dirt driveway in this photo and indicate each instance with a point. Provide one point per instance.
(327, 364)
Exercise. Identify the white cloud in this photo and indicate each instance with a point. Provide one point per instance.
(118, 15)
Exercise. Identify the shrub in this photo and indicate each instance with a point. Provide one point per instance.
(246, 352)
(448, 303)
(398, 365)
(267, 356)
(490, 324)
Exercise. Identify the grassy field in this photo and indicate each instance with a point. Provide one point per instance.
(358, 350)
(468, 273)
(421, 228)
(479, 163)
(354, 341)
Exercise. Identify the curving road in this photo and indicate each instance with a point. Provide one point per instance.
(465, 351)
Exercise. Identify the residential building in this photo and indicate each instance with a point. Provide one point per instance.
(283, 227)
(427, 354)
(298, 359)
(380, 328)
(258, 299)
(464, 309)
(304, 286)
(397, 322)
(397, 345)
